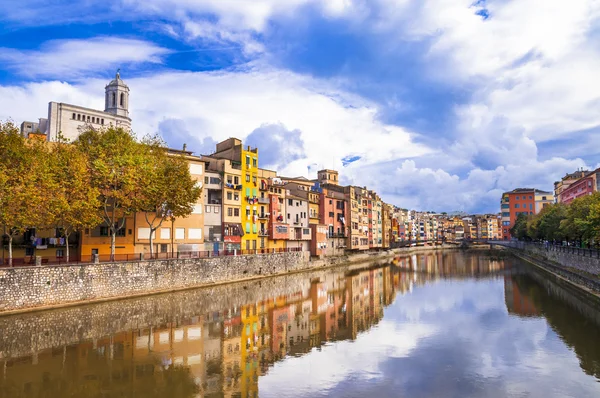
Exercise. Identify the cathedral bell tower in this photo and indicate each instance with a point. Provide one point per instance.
(116, 99)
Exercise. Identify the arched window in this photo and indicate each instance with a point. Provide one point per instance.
(93, 119)
(78, 117)
(74, 116)
(114, 99)
(122, 99)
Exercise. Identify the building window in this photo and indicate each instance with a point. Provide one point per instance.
(247, 160)
(88, 118)
(543, 198)
(236, 212)
(74, 116)
(254, 179)
(114, 99)
(254, 162)
(216, 209)
(60, 253)
(103, 231)
(517, 206)
(247, 177)
(290, 202)
(93, 119)
(78, 116)
(122, 100)
(247, 212)
(236, 196)
(229, 195)
(236, 180)
(516, 197)
(206, 180)
(101, 121)
(207, 209)
(229, 211)
(163, 248)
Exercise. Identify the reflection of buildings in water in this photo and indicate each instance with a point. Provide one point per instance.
(223, 352)
(517, 302)
(574, 317)
(449, 263)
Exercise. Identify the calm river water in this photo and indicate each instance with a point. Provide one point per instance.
(432, 325)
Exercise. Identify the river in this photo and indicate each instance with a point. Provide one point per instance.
(440, 324)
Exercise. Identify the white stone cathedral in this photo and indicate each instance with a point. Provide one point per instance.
(69, 119)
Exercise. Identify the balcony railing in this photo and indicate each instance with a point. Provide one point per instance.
(263, 233)
(263, 216)
(264, 201)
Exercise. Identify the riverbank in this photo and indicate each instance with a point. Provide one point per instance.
(26, 289)
(573, 276)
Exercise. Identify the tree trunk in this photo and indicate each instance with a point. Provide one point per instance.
(113, 239)
(67, 248)
(151, 247)
(10, 239)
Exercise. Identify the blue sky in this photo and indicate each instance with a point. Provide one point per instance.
(439, 104)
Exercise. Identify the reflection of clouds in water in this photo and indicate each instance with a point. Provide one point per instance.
(448, 338)
(323, 369)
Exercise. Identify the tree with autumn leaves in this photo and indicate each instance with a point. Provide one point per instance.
(102, 177)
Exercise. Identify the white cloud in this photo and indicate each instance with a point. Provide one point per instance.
(331, 123)
(68, 59)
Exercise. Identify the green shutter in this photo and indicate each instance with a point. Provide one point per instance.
(254, 192)
(248, 227)
(247, 191)
(254, 230)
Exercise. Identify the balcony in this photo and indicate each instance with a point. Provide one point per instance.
(263, 233)
(264, 201)
(264, 216)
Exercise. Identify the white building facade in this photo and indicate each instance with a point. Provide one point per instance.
(71, 119)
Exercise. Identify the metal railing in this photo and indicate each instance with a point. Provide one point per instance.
(29, 261)
(570, 249)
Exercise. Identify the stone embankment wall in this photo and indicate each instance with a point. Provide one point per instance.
(577, 260)
(25, 288)
(23, 334)
(34, 287)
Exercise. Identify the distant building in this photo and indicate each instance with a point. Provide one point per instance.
(70, 119)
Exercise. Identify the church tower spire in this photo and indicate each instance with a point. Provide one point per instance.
(116, 99)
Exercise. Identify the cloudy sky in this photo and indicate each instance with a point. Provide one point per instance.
(436, 104)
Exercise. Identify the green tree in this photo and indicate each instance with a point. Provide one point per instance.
(74, 198)
(117, 162)
(169, 191)
(548, 222)
(519, 230)
(24, 183)
(577, 224)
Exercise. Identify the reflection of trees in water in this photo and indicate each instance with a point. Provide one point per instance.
(130, 379)
(574, 320)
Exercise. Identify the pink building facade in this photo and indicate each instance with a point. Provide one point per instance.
(582, 187)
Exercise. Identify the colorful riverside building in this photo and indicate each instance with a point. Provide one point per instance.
(181, 235)
(588, 183)
(526, 201)
(333, 208)
(246, 160)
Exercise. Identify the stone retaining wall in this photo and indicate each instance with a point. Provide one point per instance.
(579, 262)
(31, 287)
